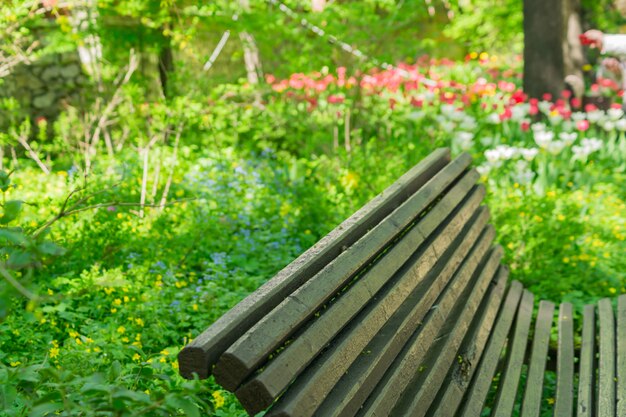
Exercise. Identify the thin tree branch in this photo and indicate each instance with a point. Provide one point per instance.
(19, 287)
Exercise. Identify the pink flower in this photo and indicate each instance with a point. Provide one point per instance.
(590, 107)
(582, 125)
(547, 97)
(270, 79)
(415, 102)
(335, 99)
(506, 114)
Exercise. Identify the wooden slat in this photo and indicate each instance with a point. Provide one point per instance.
(422, 391)
(201, 354)
(586, 370)
(606, 363)
(507, 391)
(531, 405)
(254, 347)
(313, 386)
(479, 387)
(621, 355)
(457, 381)
(262, 389)
(564, 398)
(403, 369)
(353, 388)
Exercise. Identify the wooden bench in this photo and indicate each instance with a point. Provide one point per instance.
(405, 309)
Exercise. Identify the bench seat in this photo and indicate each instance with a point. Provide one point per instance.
(406, 310)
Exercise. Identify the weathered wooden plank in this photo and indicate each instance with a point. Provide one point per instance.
(352, 389)
(564, 398)
(586, 370)
(258, 393)
(365, 373)
(481, 382)
(254, 347)
(313, 386)
(606, 363)
(531, 405)
(201, 354)
(507, 391)
(457, 381)
(621, 355)
(403, 370)
(422, 391)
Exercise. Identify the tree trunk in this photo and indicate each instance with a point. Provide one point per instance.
(574, 56)
(544, 63)
(251, 55)
(166, 63)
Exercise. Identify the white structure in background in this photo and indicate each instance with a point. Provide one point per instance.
(82, 18)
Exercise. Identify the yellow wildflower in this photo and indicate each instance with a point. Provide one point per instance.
(121, 329)
(218, 399)
(136, 357)
(54, 352)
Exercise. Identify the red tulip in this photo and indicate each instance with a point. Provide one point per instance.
(525, 126)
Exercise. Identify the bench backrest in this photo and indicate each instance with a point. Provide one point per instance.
(368, 320)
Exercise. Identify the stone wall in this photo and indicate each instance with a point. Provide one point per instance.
(45, 85)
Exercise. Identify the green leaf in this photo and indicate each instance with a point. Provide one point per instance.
(5, 181)
(19, 259)
(13, 235)
(51, 248)
(45, 409)
(177, 402)
(11, 211)
(28, 374)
